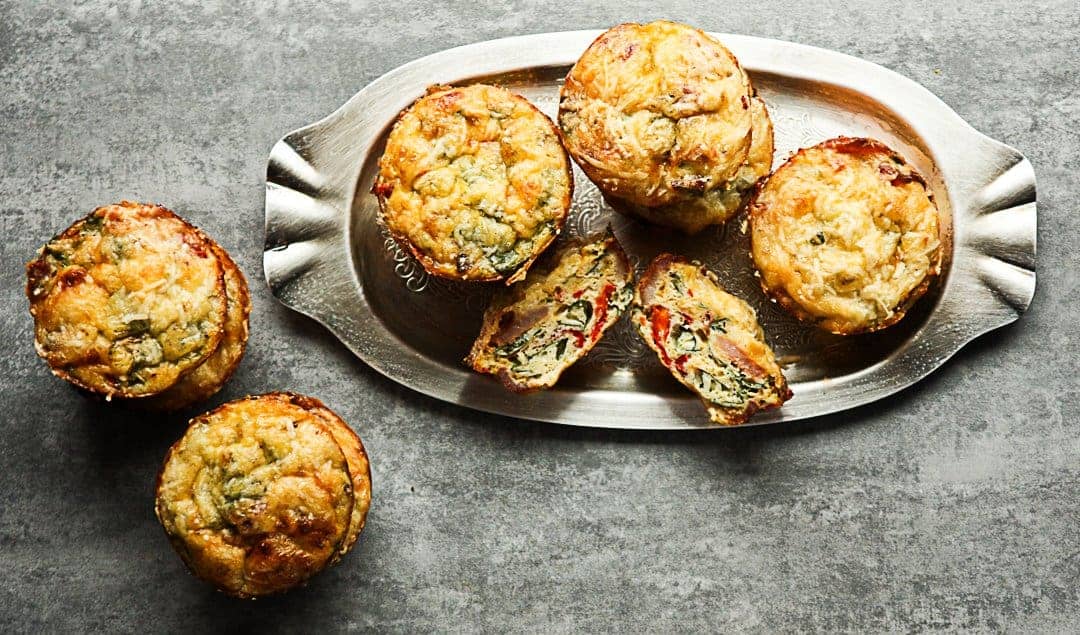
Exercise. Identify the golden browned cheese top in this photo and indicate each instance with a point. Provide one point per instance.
(257, 495)
(846, 234)
(474, 181)
(657, 113)
(127, 300)
(205, 380)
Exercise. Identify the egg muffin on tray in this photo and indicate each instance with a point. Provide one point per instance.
(662, 118)
(127, 300)
(260, 494)
(538, 328)
(474, 182)
(708, 339)
(846, 235)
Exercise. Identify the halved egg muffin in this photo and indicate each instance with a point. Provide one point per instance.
(708, 339)
(258, 495)
(127, 300)
(474, 182)
(659, 116)
(538, 328)
(846, 235)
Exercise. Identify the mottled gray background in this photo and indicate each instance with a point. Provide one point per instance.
(953, 504)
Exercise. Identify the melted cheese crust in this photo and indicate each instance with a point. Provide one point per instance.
(715, 206)
(709, 339)
(846, 235)
(257, 496)
(127, 300)
(475, 182)
(538, 328)
(208, 378)
(657, 114)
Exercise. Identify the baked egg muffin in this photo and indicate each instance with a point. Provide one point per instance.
(659, 116)
(845, 235)
(258, 495)
(208, 377)
(717, 205)
(474, 182)
(127, 300)
(709, 339)
(538, 328)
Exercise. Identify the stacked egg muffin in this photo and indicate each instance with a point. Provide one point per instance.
(264, 492)
(132, 302)
(663, 119)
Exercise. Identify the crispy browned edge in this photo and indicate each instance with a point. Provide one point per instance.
(426, 261)
(303, 401)
(855, 146)
(493, 313)
(36, 270)
(244, 301)
(341, 426)
(657, 267)
(620, 205)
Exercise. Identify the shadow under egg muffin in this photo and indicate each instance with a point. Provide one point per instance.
(474, 182)
(127, 300)
(659, 116)
(708, 339)
(209, 377)
(257, 496)
(536, 329)
(845, 235)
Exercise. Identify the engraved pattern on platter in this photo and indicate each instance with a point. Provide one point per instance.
(406, 267)
(793, 129)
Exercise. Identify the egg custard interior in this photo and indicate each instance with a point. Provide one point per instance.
(708, 339)
(537, 328)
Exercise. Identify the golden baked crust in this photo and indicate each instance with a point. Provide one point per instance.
(474, 182)
(658, 115)
(208, 378)
(359, 470)
(845, 235)
(709, 340)
(715, 206)
(257, 496)
(536, 329)
(126, 300)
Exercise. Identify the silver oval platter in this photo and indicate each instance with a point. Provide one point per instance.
(326, 255)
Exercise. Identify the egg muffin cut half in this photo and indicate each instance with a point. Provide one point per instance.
(538, 328)
(474, 182)
(846, 235)
(257, 496)
(127, 300)
(708, 339)
(659, 116)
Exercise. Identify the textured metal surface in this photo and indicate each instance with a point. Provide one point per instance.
(327, 257)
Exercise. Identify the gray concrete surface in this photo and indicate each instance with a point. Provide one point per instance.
(953, 505)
